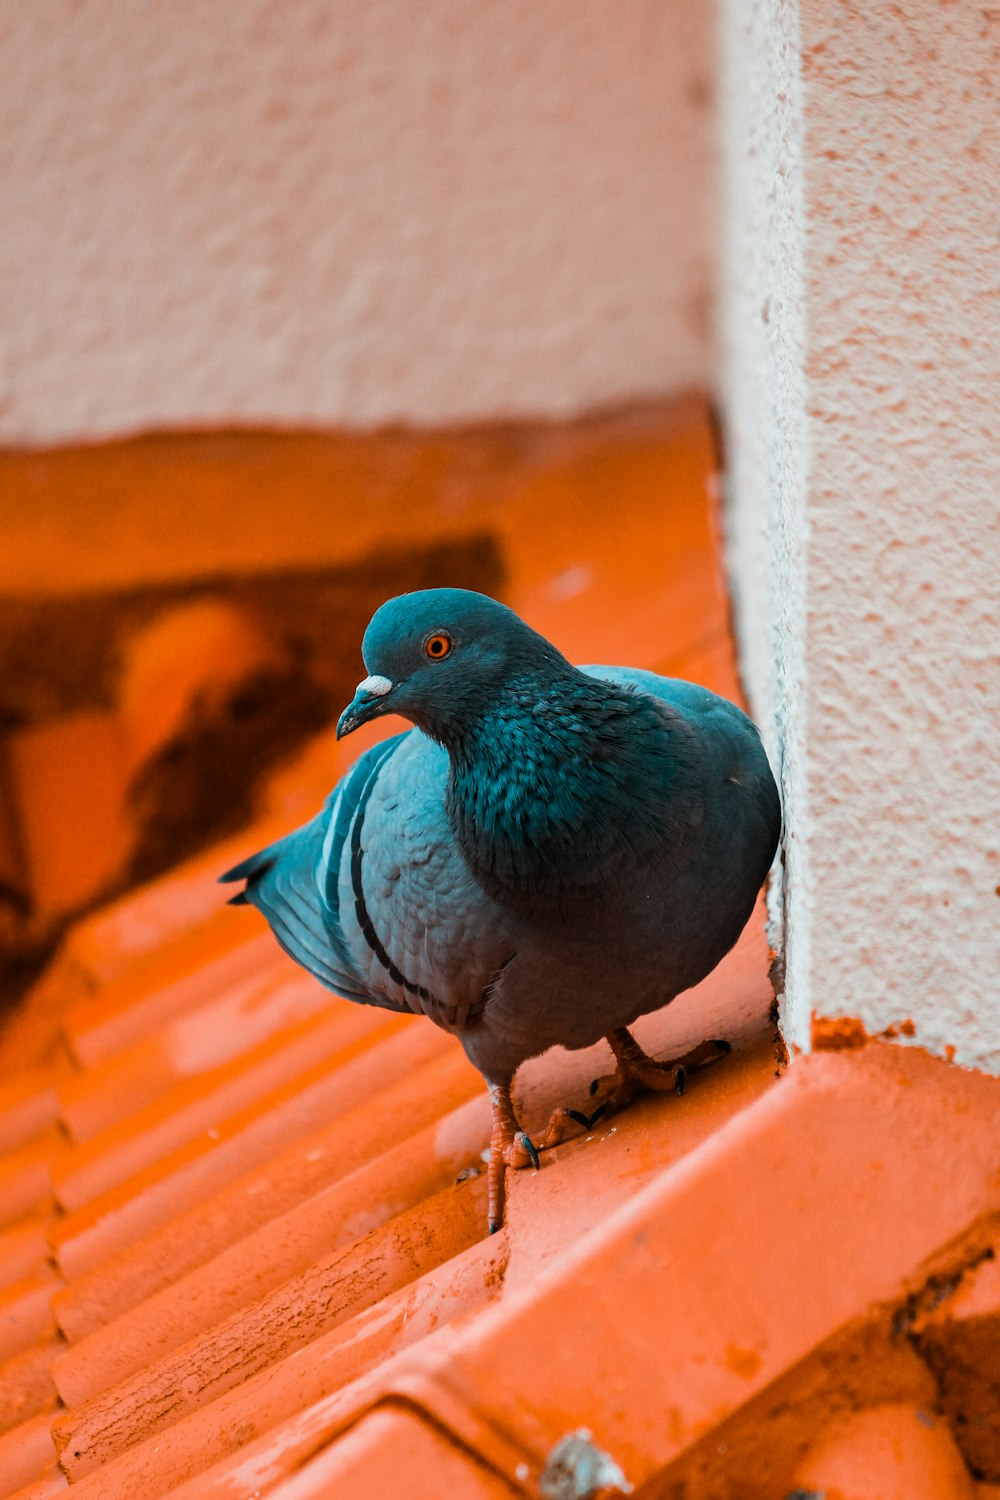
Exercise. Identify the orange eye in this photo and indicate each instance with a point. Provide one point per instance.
(438, 646)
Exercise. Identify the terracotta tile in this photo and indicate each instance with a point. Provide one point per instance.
(163, 986)
(281, 1248)
(24, 1251)
(261, 1402)
(72, 793)
(26, 1177)
(25, 1453)
(196, 1106)
(977, 1296)
(185, 1179)
(261, 1463)
(297, 1303)
(107, 961)
(392, 1453)
(148, 921)
(350, 1143)
(26, 1312)
(29, 1106)
(53, 1482)
(347, 491)
(887, 1453)
(960, 1340)
(153, 936)
(239, 1017)
(191, 656)
(332, 1290)
(26, 1384)
(830, 1124)
(760, 1446)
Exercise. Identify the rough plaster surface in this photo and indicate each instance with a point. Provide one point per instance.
(299, 211)
(766, 437)
(863, 429)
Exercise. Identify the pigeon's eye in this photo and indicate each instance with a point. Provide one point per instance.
(438, 645)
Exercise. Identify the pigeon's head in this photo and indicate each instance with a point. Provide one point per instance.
(440, 657)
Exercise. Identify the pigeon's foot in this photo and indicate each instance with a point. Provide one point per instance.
(637, 1072)
(510, 1147)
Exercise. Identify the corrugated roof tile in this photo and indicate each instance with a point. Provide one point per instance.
(283, 1247)
(26, 1384)
(26, 1177)
(290, 1317)
(24, 1250)
(189, 1175)
(26, 1312)
(25, 1452)
(29, 1106)
(200, 1105)
(262, 1402)
(352, 1143)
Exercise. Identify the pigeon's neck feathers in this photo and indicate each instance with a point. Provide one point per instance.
(561, 776)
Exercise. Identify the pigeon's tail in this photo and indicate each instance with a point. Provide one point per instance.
(251, 870)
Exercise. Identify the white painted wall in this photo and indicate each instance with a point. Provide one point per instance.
(862, 371)
(329, 212)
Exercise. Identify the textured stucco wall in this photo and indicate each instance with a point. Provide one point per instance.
(862, 317)
(300, 211)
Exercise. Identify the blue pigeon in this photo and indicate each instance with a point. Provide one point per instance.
(549, 854)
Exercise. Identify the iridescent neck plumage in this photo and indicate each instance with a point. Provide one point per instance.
(559, 774)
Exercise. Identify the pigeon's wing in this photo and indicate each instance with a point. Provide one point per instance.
(289, 883)
(373, 897)
(424, 934)
(697, 704)
(689, 697)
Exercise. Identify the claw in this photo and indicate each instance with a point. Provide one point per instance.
(601, 1109)
(580, 1118)
(531, 1149)
(680, 1079)
(494, 1226)
(595, 1085)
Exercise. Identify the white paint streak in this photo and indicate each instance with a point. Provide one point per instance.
(320, 212)
(863, 321)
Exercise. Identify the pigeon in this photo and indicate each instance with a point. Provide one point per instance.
(549, 854)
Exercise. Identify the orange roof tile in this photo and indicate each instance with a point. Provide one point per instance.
(242, 1223)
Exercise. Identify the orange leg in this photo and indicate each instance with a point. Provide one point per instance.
(510, 1147)
(635, 1072)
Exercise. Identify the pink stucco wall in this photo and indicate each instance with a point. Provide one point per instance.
(331, 213)
(862, 328)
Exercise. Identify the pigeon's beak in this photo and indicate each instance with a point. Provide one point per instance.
(368, 702)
